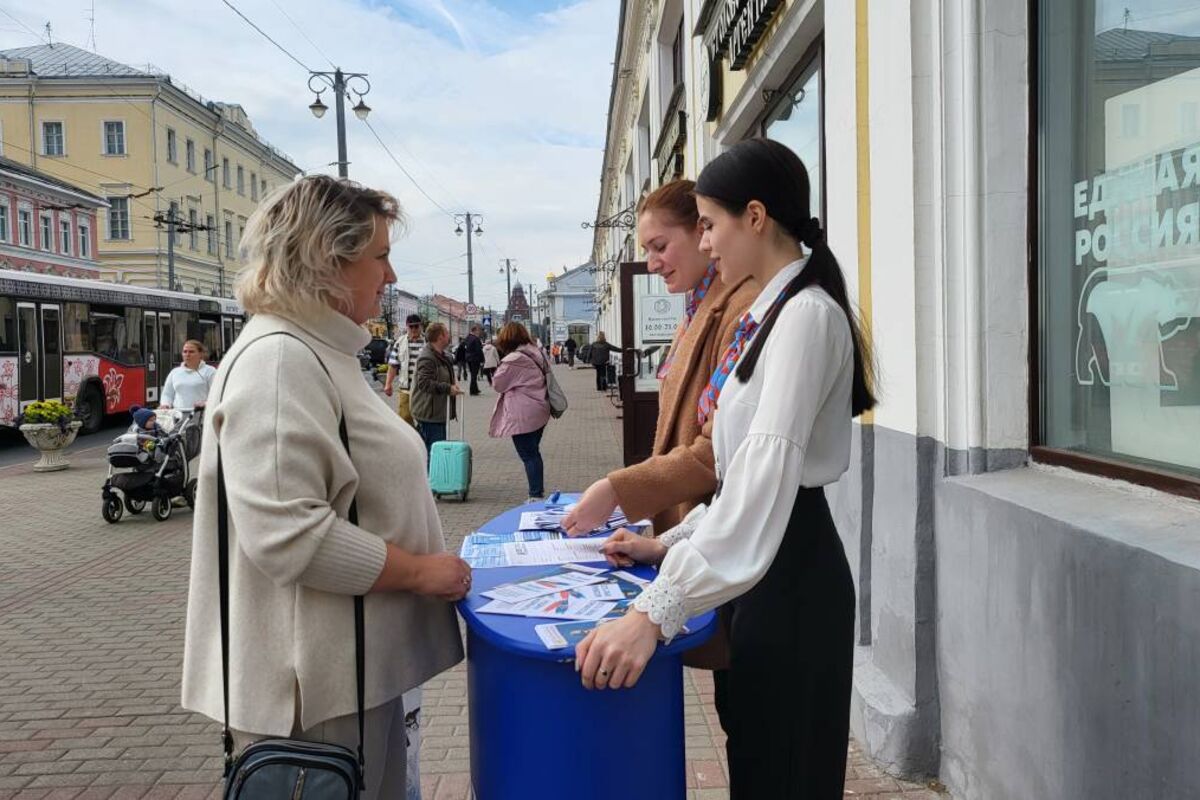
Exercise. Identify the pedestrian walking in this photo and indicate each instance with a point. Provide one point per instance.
(571, 346)
(491, 360)
(402, 361)
(309, 495)
(796, 373)
(187, 386)
(598, 357)
(460, 358)
(473, 350)
(522, 409)
(679, 475)
(433, 384)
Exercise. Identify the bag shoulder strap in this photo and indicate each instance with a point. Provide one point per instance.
(223, 573)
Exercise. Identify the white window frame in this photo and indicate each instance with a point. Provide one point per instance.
(127, 230)
(172, 146)
(193, 221)
(228, 231)
(241, 180)
(124, 148)
(5, 221)
(46, 224)
(189, 155)
(65, 235)
(210, 165)
(25, 226)
(85, 238)
(62, 130)
(254, 186)
(211, 223)
(225, 174)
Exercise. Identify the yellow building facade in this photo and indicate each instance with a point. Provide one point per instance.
(154, 149)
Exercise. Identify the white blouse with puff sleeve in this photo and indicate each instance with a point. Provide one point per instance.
(788, 427)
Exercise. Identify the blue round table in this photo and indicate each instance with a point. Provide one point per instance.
(537, 733)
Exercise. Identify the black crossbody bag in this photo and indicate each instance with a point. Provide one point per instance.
(286, 769)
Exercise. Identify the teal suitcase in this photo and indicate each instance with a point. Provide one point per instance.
(450, 462)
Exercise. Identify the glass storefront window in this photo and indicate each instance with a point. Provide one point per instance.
(1119, 231)
(796, 121)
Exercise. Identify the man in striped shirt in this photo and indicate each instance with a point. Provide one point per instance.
(402, 360)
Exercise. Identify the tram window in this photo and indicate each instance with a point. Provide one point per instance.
(186, 326)
(211, 337)
(77, 335)
(8, 325)
(108, 334)
(132, 354)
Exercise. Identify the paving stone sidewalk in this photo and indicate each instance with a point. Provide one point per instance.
(91, 633)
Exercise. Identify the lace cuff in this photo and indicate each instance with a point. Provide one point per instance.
(663, 603)
(677, 534)
(685, 528)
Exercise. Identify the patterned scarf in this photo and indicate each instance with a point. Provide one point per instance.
(747, 327)
(693, 303)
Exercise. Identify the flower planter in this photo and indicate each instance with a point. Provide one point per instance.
(51, 441)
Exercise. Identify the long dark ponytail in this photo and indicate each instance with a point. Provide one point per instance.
(767, 171)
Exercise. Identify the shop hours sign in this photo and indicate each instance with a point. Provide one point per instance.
(659, 317)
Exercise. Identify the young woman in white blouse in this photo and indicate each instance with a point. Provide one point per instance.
(188, 384)
(766, 550)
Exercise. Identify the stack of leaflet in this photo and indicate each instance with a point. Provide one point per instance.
(585, 595)
(551, 519)
(528, 549)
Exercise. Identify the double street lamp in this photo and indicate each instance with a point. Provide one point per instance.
(474, 225)
(341, 83)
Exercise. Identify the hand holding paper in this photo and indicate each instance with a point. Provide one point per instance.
(626, 548)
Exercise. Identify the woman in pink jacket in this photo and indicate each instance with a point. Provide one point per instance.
(522, 409)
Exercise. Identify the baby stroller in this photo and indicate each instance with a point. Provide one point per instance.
(152, 467)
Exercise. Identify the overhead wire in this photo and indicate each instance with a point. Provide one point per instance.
(267, 36)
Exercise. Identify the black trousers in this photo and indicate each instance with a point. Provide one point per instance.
(784, 702)
(601, 377)
(474, 368)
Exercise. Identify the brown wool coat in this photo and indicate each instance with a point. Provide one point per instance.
(680, 473)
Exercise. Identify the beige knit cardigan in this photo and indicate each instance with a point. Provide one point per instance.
(295, 562)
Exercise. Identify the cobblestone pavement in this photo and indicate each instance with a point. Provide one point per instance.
(91, 633)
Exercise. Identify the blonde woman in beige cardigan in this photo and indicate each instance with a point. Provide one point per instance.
(318, 267)
(679, 475)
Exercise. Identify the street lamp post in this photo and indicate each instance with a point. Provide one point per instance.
(340, 82)
(508, 267)
(459, 220)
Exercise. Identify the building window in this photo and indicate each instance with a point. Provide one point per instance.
(241, 178)
(209, 173)
(47, 232)
(172, 146)
(211, 224)
(114, 138)
(173, 215)
(797, 119)
(64, 236)
(1117, 300)
(5, 234)
(118, 218)
(225, 173)
(85, 240)
(192, 223)
(264, 187)
(253, 186)
(189, 152)
(677, 48)
(228, 239)
(25, 227)
(53, 139)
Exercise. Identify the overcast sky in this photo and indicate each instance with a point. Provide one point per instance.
(494, 106)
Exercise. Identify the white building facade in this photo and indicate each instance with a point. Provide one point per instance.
(1012, 189)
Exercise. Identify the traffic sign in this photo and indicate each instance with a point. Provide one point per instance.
(472, 309)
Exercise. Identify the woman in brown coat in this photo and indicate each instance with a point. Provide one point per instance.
(680, 474)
